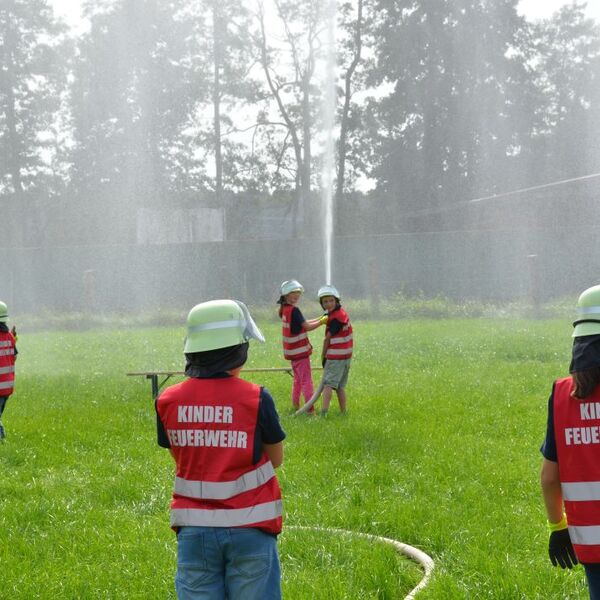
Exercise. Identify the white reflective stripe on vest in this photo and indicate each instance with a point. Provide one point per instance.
(218, 325)
(212, 490)
(581, 491)
(338, 352)
(8, 352)
(5, 344)
(294, 339)
(4, 370)
(341, 340)
(585, 535)
(233, 517)
(295, 351)
(4, 385)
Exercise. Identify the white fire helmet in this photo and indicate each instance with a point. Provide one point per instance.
(3, 313)
(287, 287)
(328, 290)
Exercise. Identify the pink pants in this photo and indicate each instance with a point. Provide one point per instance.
(303, 383)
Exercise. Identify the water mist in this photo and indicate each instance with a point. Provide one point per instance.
(328, 167)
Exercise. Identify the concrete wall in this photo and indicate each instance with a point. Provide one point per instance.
(460, 265)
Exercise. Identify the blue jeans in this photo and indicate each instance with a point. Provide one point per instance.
(3, 400)
(218, 563)
(592, 573)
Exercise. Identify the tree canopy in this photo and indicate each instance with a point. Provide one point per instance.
(186, 102)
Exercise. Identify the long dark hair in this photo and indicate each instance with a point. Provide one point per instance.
(585, 382)
(281, 302)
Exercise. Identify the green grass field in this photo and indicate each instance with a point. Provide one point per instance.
(440, 450)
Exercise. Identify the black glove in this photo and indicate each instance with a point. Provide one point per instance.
(323, 361)
(561, 550)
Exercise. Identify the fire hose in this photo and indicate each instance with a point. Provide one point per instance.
(424, 560)
(312, 400)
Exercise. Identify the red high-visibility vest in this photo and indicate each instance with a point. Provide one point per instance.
(211, 425)
(340, 344)
(7, 363)
(295, 346)
(577, 434)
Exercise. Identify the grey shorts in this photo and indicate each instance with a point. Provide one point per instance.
(335, 373)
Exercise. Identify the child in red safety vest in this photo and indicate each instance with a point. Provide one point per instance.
(8, 356)
(296, 345)
(224, 435)
(570, 476)
(337, 348)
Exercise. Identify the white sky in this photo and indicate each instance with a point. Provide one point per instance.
(540, 9)
(70, 10)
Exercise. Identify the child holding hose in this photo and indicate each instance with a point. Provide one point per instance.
(337, 348)
(337, 352)
(296, 346)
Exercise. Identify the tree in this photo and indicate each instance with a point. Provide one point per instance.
(32, 81)
(290, 76)
(448, 128)
(567, 76)
(136, 84)
(354, 48)
(231, 51)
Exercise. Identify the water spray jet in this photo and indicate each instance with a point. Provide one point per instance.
(328, 168)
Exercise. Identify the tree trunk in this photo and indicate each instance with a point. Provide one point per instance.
(307, 155)
(14, 150)
(341, 171)
(289, 123)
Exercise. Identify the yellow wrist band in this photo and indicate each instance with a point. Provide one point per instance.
(562, 524)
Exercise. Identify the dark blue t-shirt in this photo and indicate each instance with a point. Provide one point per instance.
(335, 327)
(268, 430)
(297, 320)
(548, 448)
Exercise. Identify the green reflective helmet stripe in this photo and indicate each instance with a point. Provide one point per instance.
(3, 313)
(219, 325)
(588, 310)
(588, 313)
